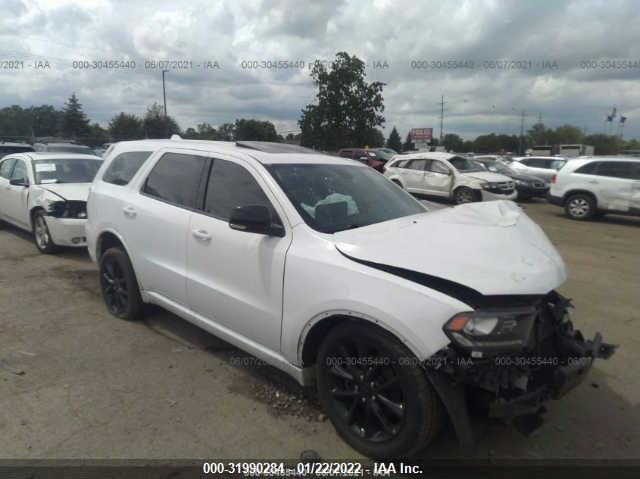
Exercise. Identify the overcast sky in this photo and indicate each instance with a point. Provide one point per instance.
(548, 46)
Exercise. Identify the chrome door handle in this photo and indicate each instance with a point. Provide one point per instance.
(201, 235)
(129, 211)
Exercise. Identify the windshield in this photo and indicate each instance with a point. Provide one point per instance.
(464, 165)
(332, 198)
(384, 154)
(499, 167)
(63, 170)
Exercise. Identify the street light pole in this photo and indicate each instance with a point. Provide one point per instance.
(164, 93)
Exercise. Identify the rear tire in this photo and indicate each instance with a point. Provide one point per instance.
(580, 206)
(381, 404)
(41, 235)
(463, 194)
(119, 285)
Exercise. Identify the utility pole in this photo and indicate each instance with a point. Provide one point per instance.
(521, 142)
(164, 102)
(164, 94)
(442, 103)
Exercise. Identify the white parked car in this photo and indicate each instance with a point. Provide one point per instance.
(323, 268)
(592, 186)
(46, 193)
(542, 167)
(449, 176)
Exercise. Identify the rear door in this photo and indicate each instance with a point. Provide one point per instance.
(235, 278)
(6, 167)
(613, 183)
(413, 175)
(438, 178)
(634, 203)
(155, 222)
(15, 197)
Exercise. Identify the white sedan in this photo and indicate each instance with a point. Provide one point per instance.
(46, 193)
(448, 176)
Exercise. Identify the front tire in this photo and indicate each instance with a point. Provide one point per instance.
(580, 206)
(462, 195)
(119, 285)
(41, 235)
(375, 394)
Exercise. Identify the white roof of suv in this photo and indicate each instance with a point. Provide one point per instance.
(263, 152)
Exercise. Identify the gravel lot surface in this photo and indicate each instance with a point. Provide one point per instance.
(77, 383)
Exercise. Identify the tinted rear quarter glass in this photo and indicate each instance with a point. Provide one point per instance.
(124, 167)
(615, 169)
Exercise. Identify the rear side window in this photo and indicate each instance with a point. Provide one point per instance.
(536, 162)
(5, 167)
(615, 169)
(124, 167)
(176, 178)
(398, 164)
(588, 169)
(230, 186)
(419, 165)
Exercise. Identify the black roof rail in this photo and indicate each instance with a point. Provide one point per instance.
(273, 147)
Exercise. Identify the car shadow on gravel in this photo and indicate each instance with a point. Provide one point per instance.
(256, 380)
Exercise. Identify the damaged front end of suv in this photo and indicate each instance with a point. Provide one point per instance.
(510, 360)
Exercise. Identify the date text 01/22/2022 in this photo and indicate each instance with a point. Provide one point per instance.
(310, 468)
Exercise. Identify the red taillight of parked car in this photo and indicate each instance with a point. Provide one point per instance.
(553, 179)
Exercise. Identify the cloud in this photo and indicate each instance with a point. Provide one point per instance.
(555, 52)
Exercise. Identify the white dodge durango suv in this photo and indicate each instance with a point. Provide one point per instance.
(449, 176)
(592, 186)
(325, 269)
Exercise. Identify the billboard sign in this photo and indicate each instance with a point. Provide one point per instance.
(423, 134)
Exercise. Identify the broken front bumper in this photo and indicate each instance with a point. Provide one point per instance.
(512, 386)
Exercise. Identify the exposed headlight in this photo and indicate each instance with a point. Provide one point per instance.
(491, 332)
(68, 209)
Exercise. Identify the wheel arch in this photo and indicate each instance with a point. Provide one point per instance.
(109, 239)
(570, 193)
(318, 327)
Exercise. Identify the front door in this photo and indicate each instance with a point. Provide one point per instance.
(235, 278)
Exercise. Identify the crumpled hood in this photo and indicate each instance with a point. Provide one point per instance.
(487, 176)
(68, 191)
(492, 247)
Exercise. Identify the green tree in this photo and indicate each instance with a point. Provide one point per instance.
(97, 135)
(538, 134)
(348, 106)
(156, 125)
(126, 127)
(374, 138)
(75, 123)
(394, 141)
(255, 130)
(604, 144)
(567, 134)
(452, 142)
(227, 132)
(408, 144)
(45, 120)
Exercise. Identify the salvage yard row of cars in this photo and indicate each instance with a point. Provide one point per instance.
(401, 334)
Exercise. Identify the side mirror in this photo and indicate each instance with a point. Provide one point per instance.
(19, 182)
(253, 219)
